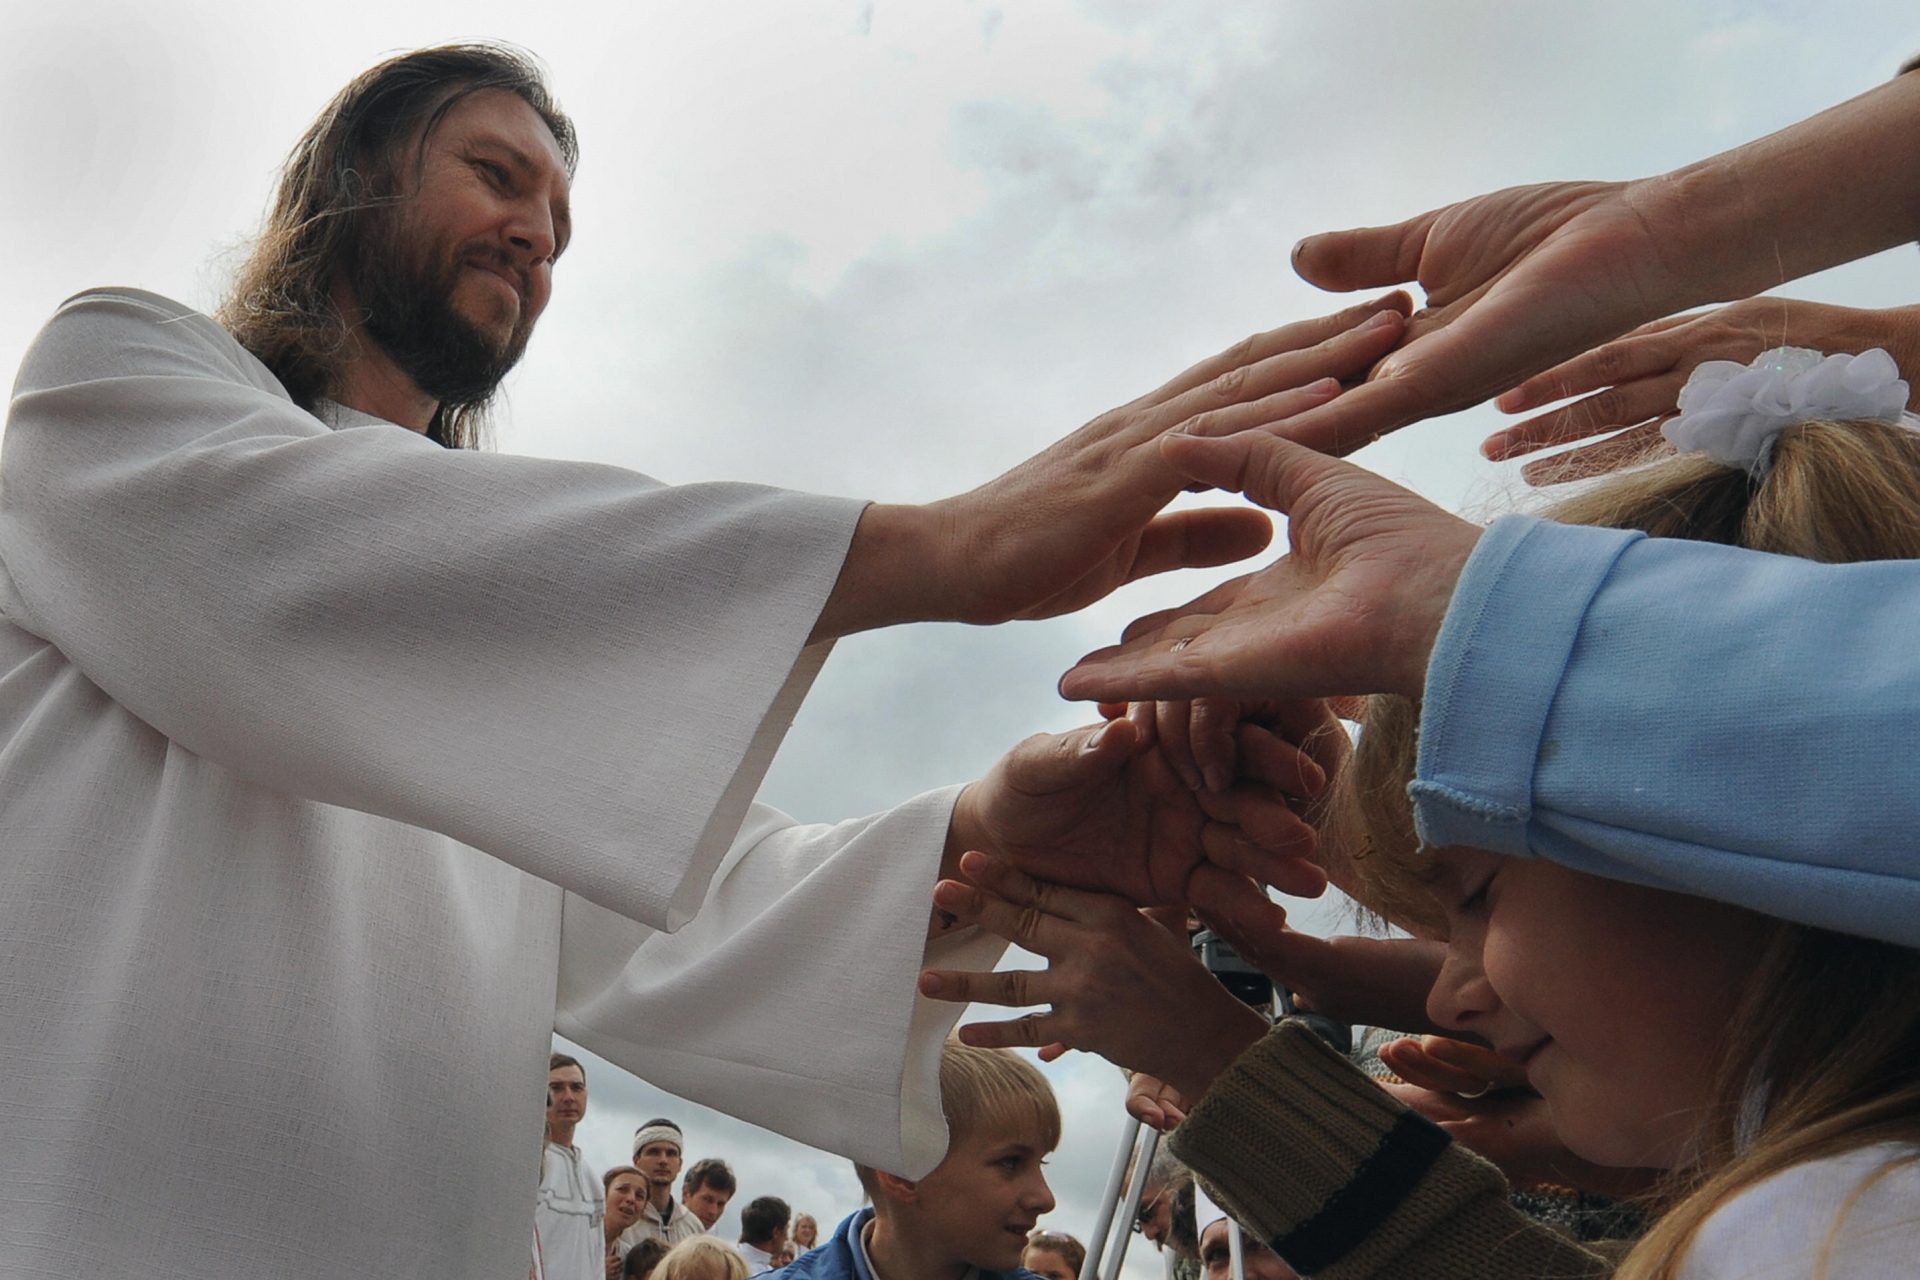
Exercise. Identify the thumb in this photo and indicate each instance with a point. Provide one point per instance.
(1045, 764)
(1365, 257)
(1273, 472)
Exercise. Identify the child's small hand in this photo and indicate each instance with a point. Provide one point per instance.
(1154, 1102)
(1118, 984)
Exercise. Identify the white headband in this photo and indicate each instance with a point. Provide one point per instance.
(1733, 412)
(657, 1133)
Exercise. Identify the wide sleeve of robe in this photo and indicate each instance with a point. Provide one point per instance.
(564, 665)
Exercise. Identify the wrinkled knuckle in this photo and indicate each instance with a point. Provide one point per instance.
(1228, 384)
(1609, 405)
(1019, 987)
(1027, 927)
(1204, 423)
(1027, 1027)
(1610, 362)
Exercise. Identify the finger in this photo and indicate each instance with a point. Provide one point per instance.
(1211, 726)
(1541, 388)
(1053, 1052)
(1268, 758)
(1012, 988)
(1406, 1059)
(1364, 257)
(1000, 879)
(1474, 1061)
(1172, 725)
(1029, 1032)
(1288, 383)
(1291, 871)
(1049, 763)
(1489, 346)
(1290, 337)
(1198, 539)
(1625, 405)
(1269, 470)
(1629, 448)
(1149, 1111)
(1027, 927)
(1640, 354)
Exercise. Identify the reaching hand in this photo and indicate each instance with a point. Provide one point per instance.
(1154, 1102)
(1118, 984)
(1096, 809)
(1515, 281)
(1635, 382)
(1353, 609)
(1067, 526)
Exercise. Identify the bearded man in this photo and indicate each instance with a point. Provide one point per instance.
(341, 764)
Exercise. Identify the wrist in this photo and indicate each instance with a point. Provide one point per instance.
(892, 573)
(1207, 1056)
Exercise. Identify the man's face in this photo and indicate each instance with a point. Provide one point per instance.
(566, 1095)
(450, 279)
(1259, 1262)
(707, 1204)
(660, 1161)
(625, 1194)
(1154, 1218)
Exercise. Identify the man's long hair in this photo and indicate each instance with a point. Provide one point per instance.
(347, 167)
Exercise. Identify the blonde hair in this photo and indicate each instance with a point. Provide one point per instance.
(981, 1087)
(1824, 1047)
(701, 1258)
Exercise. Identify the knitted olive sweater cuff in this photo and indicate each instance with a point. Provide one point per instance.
(1344, 1182)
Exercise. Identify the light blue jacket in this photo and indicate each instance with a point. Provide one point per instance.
(1686, 716)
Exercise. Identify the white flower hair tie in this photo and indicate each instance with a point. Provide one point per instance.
(1733, 412)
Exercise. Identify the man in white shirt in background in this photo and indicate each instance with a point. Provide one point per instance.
(763, 1232)
(656, 1154)
(571, 1204)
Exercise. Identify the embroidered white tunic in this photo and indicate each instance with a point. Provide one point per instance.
(338, 770)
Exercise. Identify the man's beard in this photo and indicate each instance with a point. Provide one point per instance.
(406, 300)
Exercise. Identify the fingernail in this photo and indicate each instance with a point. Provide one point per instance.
(1510, 401)
(1217, 778)
(1381, 319)
(929, 984)
(1299, 247)
(1322, 388)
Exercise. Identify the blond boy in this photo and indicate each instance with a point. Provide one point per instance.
(971, 1216)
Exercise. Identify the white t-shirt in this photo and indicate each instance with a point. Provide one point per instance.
(1832, 1212)
(338, 771)
(570, 1213)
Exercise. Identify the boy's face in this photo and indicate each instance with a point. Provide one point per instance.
(981, 1204)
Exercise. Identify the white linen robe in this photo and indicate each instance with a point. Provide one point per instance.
(338, 770)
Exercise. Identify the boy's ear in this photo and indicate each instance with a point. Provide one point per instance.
(904, 1190)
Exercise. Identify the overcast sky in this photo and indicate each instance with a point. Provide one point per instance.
(889, 249)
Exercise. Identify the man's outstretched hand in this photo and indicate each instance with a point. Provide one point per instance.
(1085, 515)
(1354, 608)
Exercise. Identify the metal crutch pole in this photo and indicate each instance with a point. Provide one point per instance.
(1143, 1156)
(1103, 1224)
(1236, 1251)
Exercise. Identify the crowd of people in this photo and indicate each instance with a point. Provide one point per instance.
(1629, 775)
